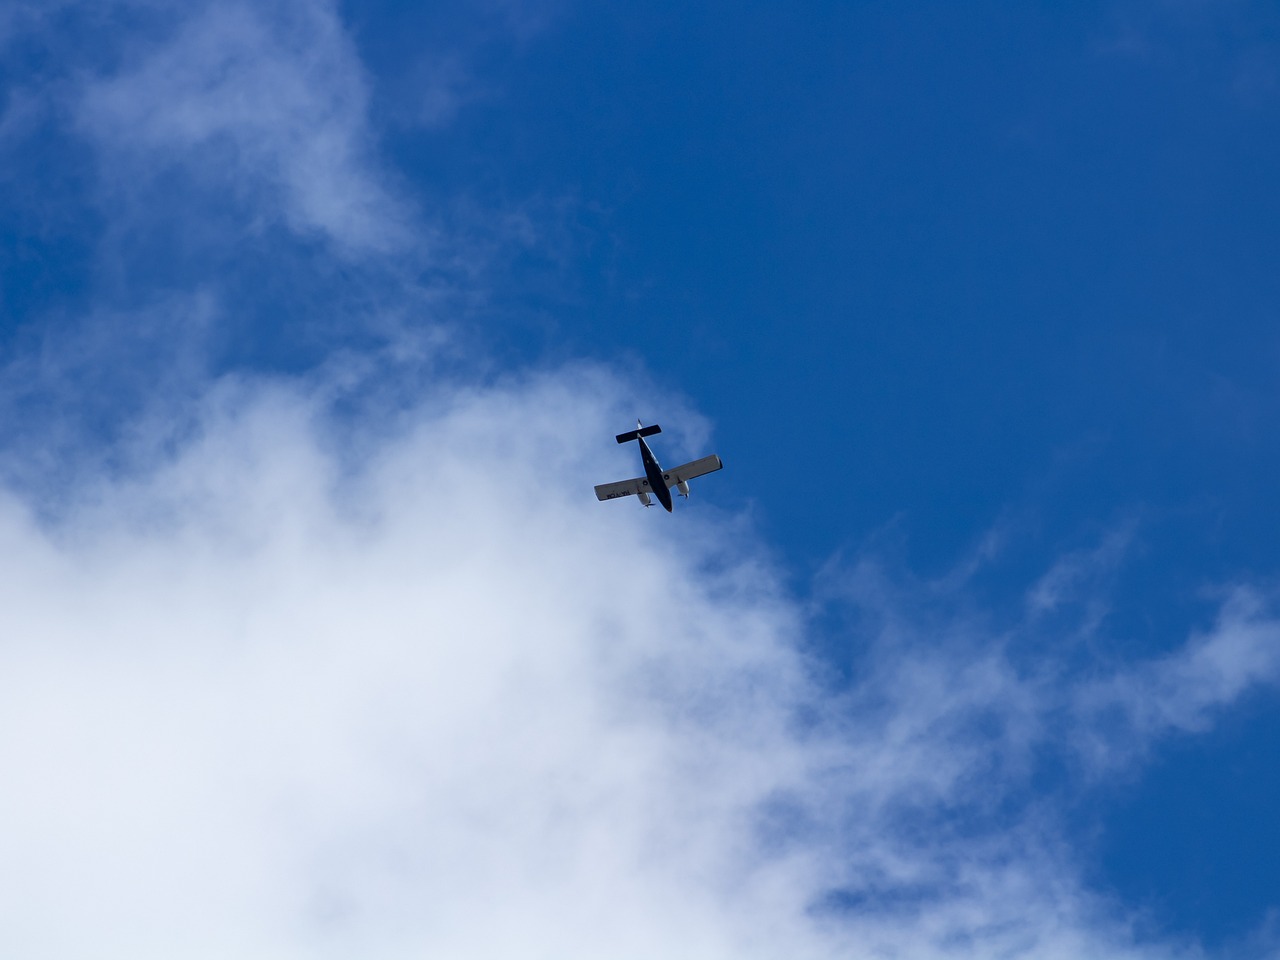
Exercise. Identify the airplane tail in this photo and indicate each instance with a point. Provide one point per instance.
(637, 434)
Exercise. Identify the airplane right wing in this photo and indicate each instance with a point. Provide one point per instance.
(623, 488)
(694, 468)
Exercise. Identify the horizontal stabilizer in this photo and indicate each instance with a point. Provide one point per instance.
(637, 434)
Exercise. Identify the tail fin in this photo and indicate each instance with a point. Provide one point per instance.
(637, 434)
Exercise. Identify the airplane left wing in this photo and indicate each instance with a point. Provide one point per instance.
(623, 488)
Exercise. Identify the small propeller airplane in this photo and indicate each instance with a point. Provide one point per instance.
(656, 480)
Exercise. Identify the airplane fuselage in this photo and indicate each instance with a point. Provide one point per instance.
(656, 481)
(653, 473)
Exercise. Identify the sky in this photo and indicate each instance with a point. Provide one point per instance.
(317, 320)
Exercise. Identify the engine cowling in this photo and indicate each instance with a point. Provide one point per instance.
(683, 487)
(644, 498)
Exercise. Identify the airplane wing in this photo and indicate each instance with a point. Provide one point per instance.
(623, 488)
(687, 471)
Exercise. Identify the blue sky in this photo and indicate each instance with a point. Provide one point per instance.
(317, 321)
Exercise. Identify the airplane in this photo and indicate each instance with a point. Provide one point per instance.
(656, 480)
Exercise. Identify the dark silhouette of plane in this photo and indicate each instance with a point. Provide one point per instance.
(656, 480)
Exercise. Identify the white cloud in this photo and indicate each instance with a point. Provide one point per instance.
(265, 98)
(1074, 578)
(436, 709)
(402, 687)
(80, 397)
(1185, 690)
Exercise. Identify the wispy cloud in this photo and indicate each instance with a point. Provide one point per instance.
(1185, 691)
(1076, 577)
(92, 393)
(262, 107)
(1229, 42)
(269, 97)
